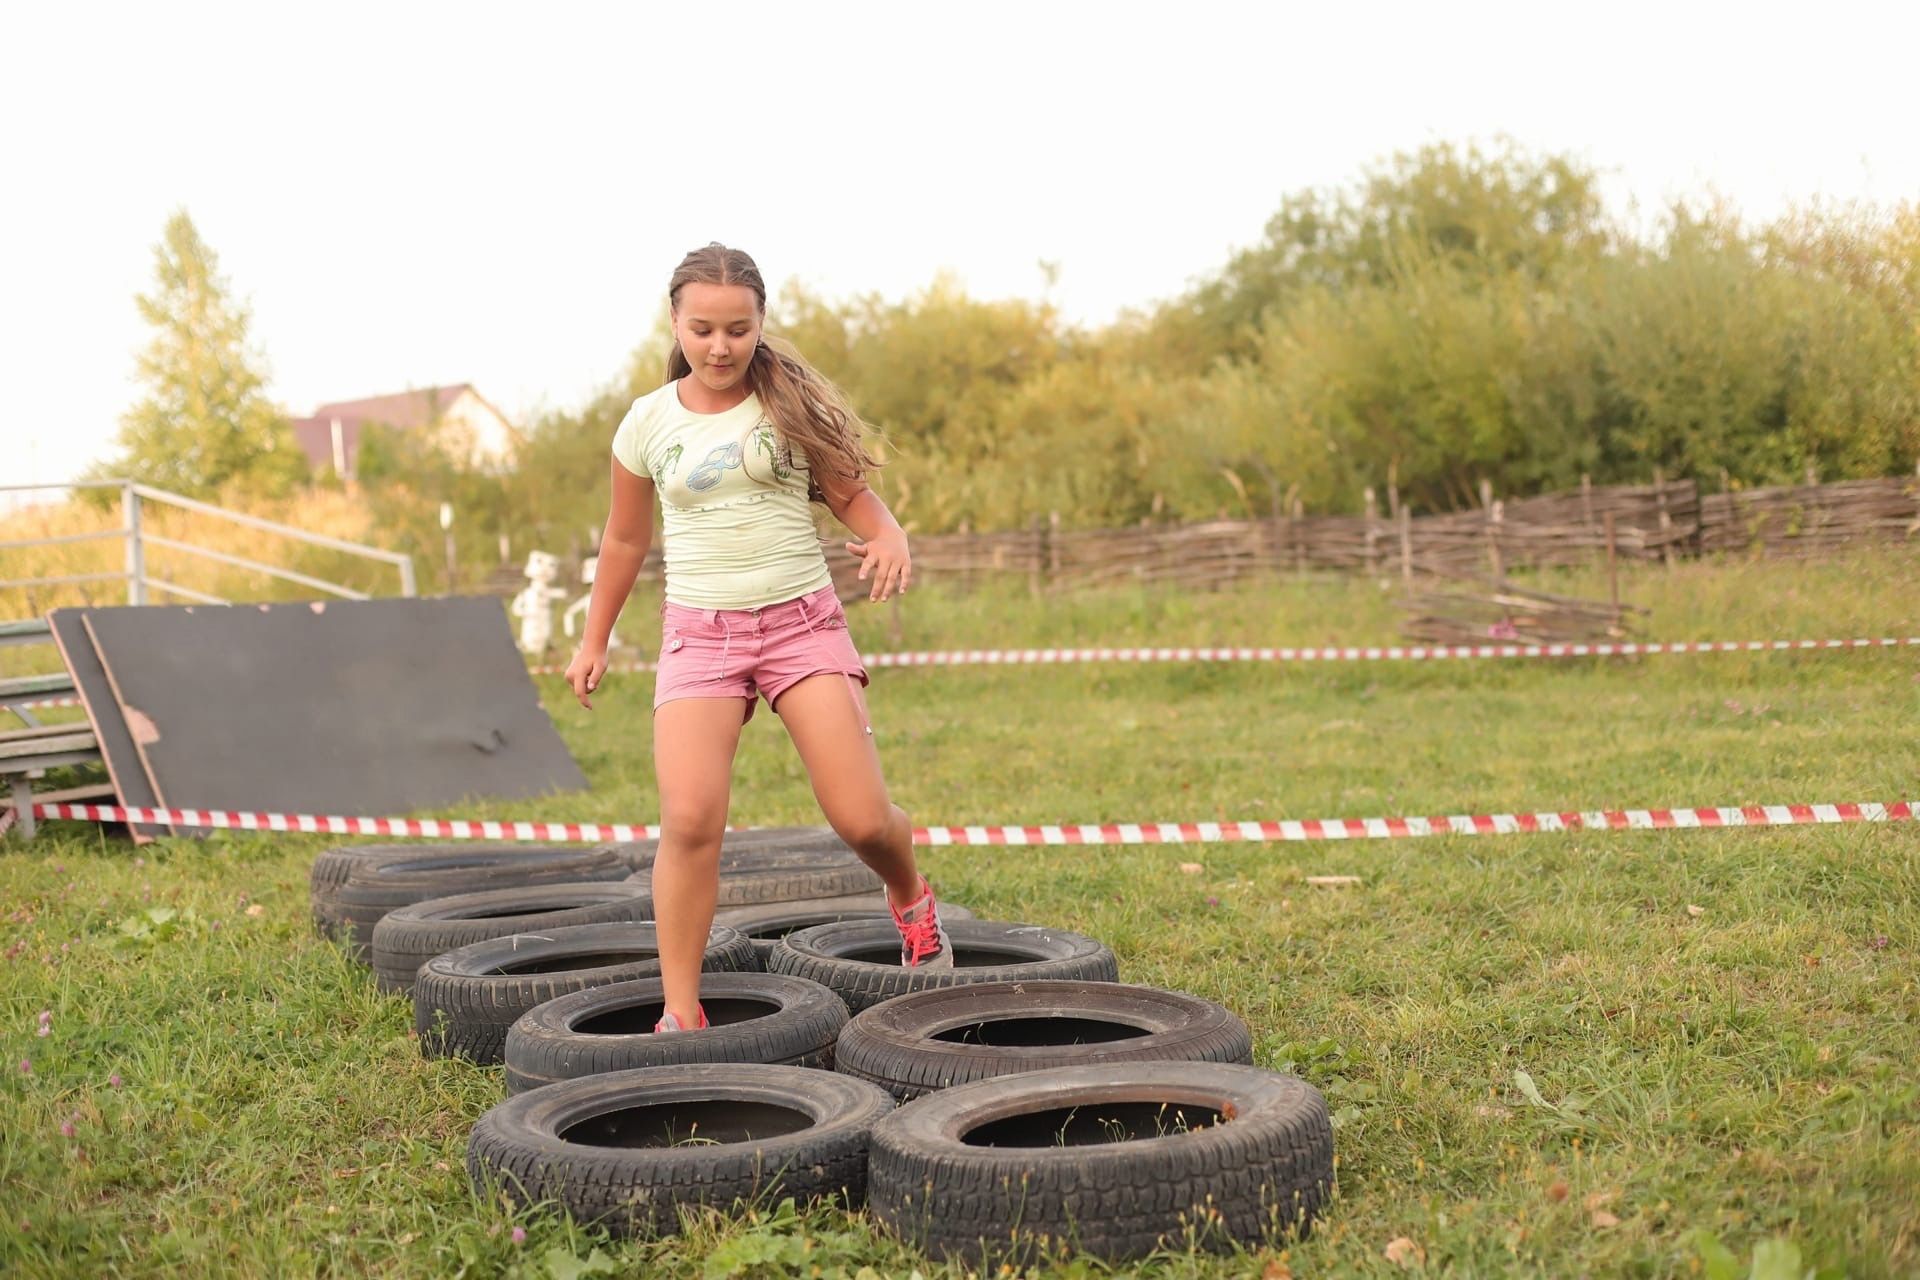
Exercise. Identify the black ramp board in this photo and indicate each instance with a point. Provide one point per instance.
(343, 707)
(128, 775)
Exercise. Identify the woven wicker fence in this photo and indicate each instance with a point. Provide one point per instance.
(1667, 520)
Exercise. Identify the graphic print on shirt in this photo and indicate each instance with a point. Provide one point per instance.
(671, 458)
(777, 452)
(720, 458)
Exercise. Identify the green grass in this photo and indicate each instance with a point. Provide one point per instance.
(1634, 1053)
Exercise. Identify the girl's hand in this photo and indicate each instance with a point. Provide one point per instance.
(584, 673)
(886, 561)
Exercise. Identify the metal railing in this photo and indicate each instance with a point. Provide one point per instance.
(133, 498)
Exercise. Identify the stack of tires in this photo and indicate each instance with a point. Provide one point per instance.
(1022, 1103)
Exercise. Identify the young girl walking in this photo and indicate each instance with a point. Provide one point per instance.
(739, 440)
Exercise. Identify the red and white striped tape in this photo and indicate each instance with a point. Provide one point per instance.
(1103, 833)
(1347, 653)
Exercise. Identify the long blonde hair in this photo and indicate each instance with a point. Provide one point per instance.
(807, 411)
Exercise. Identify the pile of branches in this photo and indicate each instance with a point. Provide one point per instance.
(1449, 605)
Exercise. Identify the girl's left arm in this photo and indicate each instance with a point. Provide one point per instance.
(881, 543)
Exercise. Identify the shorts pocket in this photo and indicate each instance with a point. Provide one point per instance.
(688, 625)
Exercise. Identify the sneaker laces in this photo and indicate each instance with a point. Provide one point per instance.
(920, 937)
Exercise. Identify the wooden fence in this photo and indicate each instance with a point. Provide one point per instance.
(1665, 520)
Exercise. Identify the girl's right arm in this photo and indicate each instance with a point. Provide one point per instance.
(623, 546)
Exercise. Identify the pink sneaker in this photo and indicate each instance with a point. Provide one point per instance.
(670, 1023)
(923, 943)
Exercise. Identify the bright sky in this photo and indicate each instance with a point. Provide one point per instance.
(410, 194)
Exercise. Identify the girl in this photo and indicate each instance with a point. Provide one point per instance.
(735, 444)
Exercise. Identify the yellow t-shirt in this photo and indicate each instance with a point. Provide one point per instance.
(736, 530)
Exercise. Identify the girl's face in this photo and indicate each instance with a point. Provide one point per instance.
(717, 326)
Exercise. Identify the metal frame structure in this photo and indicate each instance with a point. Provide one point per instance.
(133, 495)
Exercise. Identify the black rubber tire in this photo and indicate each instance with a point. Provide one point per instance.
(539, 1146)
(464, 1001)
(407, 937)
(639, 853)
(848, 958)
(766, 923)
(930, 1040)
(755, 1017)
(776, 873)
(1043, 1172)
(355, 906)
(332, 867)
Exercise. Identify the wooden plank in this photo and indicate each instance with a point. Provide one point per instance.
(93, 793)
(33, 748)
(130, 782)
(31, 688)
(43, 731)
(25, 631)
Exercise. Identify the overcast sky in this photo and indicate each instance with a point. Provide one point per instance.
(412, 194)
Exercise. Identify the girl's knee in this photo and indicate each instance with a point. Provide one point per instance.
(696, 832)
(872, 831)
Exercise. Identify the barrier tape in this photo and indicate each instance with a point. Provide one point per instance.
(1373, 653)
(1378, 653)
(1107, 833)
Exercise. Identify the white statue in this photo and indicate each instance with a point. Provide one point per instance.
(578, 609)
(534, 605)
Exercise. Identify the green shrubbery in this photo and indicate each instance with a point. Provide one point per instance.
(1457, 315)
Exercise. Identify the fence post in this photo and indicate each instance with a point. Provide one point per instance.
(1038, 565)
(1586, 499)
(966, 545)
(1373, 532)
(136, 550)
(1299, 544)
(1613, 573)
(1494, 514)
(1406, 546)
(1666, 520)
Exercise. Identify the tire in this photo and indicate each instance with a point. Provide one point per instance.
(464, 1001)
(930, 1040)
(596, 1146)
(1012, 1168)
(848, 958)
(332, 867)
(409, 936)
(754, 875)
(756, 1017)
(639, 853)
(353, 908)
(768, 922)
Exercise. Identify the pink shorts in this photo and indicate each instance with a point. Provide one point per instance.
(738, 653)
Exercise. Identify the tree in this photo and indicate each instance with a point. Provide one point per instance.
(205, 422)
(1493, 211)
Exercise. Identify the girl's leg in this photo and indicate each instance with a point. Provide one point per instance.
(694, 740)
(831, 735)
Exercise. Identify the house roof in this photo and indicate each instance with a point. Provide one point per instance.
(404, 410)
(401, 409)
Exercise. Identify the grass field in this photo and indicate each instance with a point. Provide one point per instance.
(1633, 1053)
